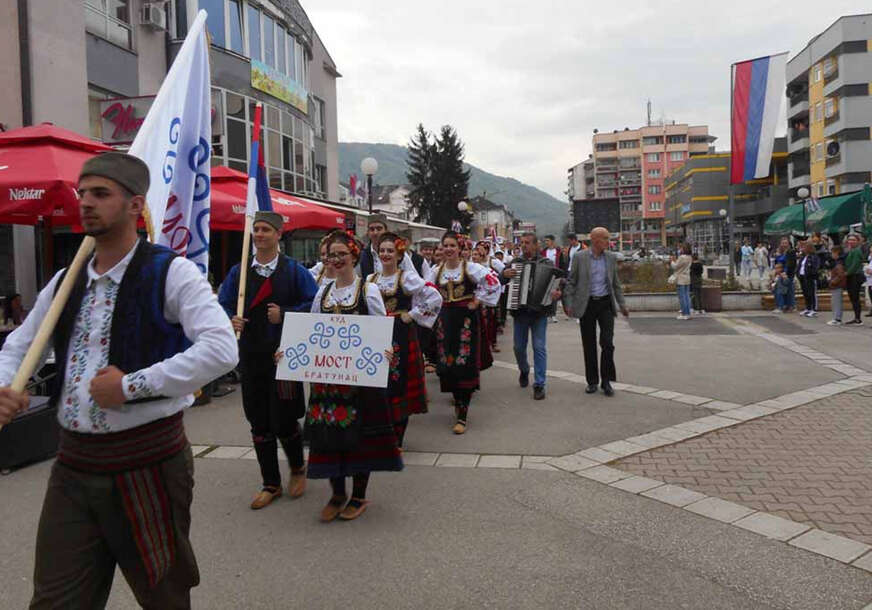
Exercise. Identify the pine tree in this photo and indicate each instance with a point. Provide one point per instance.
(420, 173)
(451, 180)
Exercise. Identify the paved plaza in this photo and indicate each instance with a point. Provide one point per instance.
(731, 470)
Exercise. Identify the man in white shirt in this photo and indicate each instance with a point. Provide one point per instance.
(574, 246)
(139, 334)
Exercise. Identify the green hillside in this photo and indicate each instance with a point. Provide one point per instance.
(527, 202)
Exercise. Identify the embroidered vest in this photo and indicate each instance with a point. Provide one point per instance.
(358, 306)
(396, 300)
(453, 291)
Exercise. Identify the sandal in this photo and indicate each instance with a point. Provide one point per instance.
(333, 508)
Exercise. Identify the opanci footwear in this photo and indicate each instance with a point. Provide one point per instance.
(265, 496)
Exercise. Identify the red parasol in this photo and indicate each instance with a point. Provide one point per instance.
(39, 172)
(229, 190)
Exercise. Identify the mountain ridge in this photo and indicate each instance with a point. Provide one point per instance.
(525, 201)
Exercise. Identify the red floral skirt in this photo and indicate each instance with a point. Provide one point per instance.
(407, 391)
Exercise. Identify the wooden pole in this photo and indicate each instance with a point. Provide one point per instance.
(40, 341)
(243, 268)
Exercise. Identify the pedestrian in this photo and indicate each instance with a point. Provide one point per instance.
(411, 302)
(139, 334)
(13, 312)
(854, 273)
(747, 258)
(369, 261)
(574, 248)
(808, 276)
(554, 254)
(681, 274)
(867, 272)
(349, 428)
(696, 269)
(761, 260)
(275, 284)
(531, 320)
(464, 287)
(779, 286)
(593, 294)
(787, 257)
(837, 283)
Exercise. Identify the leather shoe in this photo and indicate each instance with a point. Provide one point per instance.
(459, 428)
(607, 389)
(524, 379)
(265, 496)
(590, 389)
(297, 486)
(333, 508)
(354, 509)
(538, 392)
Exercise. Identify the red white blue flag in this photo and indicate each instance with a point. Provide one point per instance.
(757, 97)
(257, 197)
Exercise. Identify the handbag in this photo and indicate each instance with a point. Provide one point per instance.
(671, 280)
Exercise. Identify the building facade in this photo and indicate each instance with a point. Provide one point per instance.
(829, 89)
(94, 66)
(488, 216)
(697, 201)
(631, 165)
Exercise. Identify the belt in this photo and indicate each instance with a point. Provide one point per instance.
(602, 298)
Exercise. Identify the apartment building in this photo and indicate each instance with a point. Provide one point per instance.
(829, 89)
(631, 165)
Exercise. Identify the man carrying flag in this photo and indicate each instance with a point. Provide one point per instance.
(272, 285)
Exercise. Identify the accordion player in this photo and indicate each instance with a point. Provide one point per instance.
(532, 285)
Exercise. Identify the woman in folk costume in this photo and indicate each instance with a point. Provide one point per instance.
(349, 428)
(490, 313)
(464, 286)
(411, 302)
(322, 272)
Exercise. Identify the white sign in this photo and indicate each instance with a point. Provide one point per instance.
(335, 348)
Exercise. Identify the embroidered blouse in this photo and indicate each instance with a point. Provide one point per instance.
(346, 297)
(487, 285)
(425, 299)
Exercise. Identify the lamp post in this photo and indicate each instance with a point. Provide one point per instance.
(723, 214)
(803, 193)
(369, 166)
(462, 207)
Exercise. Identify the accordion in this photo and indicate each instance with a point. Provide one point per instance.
(532, 285)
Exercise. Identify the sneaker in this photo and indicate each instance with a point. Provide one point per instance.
(701, 312)
(812, 314)
(834, 323)
(776, 310)
(538, 392)
(683, 317)
(854, 322)
(804, 312)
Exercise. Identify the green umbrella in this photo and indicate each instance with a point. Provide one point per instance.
(787, 220)
(837, 213)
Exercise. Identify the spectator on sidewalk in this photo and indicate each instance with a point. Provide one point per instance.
(747, 258)
(681, 272)
(808, 275)
(838, 282)
(854, 272)
(867, 271)
(761, 260)
(779, 284)
(696, 269)
(737, 258)
(787, 257)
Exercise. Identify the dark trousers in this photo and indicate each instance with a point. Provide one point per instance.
(599, 311)
(272, 421)
(84, 533)
(855, 288)
(809, 291)
(696, 295)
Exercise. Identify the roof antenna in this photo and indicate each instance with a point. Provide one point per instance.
(649, 112)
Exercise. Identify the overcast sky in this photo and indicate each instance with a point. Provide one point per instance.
(525, 83)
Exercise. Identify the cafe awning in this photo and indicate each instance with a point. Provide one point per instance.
(837, 213)
(786, 221)
(229, 189)
(39, 173)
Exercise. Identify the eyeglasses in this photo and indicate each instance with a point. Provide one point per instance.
(337, 256)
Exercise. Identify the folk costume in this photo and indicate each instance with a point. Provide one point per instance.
(458, 330)
(318, 274)
(271, 407)
(120, 490)
(405, 292)
(350, 428)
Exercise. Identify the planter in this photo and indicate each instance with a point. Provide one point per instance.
(712, 298)
(668, 301)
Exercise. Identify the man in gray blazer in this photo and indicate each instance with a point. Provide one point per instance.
(593, 294)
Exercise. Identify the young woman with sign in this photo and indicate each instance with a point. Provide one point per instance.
(464, 286)
(411, 302)
(350, 429)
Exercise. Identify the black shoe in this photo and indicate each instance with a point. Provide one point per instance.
(868, 315)
(590, 389)
(524, 379)
(607, 389)
(854, 321)
(538, 392)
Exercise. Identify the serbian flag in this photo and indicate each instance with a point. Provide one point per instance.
(757, 96)
(257, 197)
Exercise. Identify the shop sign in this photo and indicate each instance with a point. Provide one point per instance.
(269, 80)
(121, 118)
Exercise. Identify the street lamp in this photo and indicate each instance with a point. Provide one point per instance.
(369, 166)
(462, 206)
(803, 193)
(723, 214)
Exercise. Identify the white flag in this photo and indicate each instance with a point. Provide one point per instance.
(175, 142)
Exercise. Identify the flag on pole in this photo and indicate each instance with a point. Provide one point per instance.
(352, 185)
(175, 143)
(757, 96)
(257, 197)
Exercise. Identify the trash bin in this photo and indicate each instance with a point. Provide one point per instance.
(711, 298)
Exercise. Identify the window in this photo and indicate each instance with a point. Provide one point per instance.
(676, 155)
(829, 107)
(655, 206)
(653, 173)
(605, 146)
(818, 112)
(831, 187)
(652, 140)
(817, 73)
(292, 72)
(95, 96)
(652, 157)
(253, 33)
(318, 116)
(269, 41)
(237, 44)
(654, 189)
(298, 56)
(819, 187)
(679, 139)
(829, 66)
(819, 151)
(110, 19)
(215, 20)
(628, 144)
(280, 50)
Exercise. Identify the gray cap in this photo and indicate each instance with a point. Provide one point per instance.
(274, 219)
(377, 217)
(128, 171)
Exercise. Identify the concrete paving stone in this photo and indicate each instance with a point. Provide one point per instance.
(721, 510)
(505, 365)
(772, 403)
(538, 466)
(420, 458)
(604, 474)
(640, 389)
(636, 484)
(650, 440)
(864, 563)
(675, 434)
(198, 449)
(828, 389)
(747, 412)
(864, 377)
(499, 461)
(690, 399)
(620, 386)
(665, 394)
(830, 545)
(772, 526)
(598, 455)
(252, 455)
(572, 377)
(227, 452)
(722, 405)
(457, 460)
(706, 424)
(852, 383)
(536, 459)
(795, 399)
(622, 448)
(572, 463)
(558, 374)
(674, 495)
(845, 369)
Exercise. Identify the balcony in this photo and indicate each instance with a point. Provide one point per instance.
(799, 169)
(631, 213)
(831, 119)
(831, 75)
(626, 164)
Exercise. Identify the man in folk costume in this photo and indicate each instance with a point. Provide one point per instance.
(140, 333)
(369, 261)
(275, 284)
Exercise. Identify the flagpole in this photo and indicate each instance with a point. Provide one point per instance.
(249, 221)
(730, 202)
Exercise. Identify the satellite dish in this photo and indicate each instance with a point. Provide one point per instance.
(833, 149)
